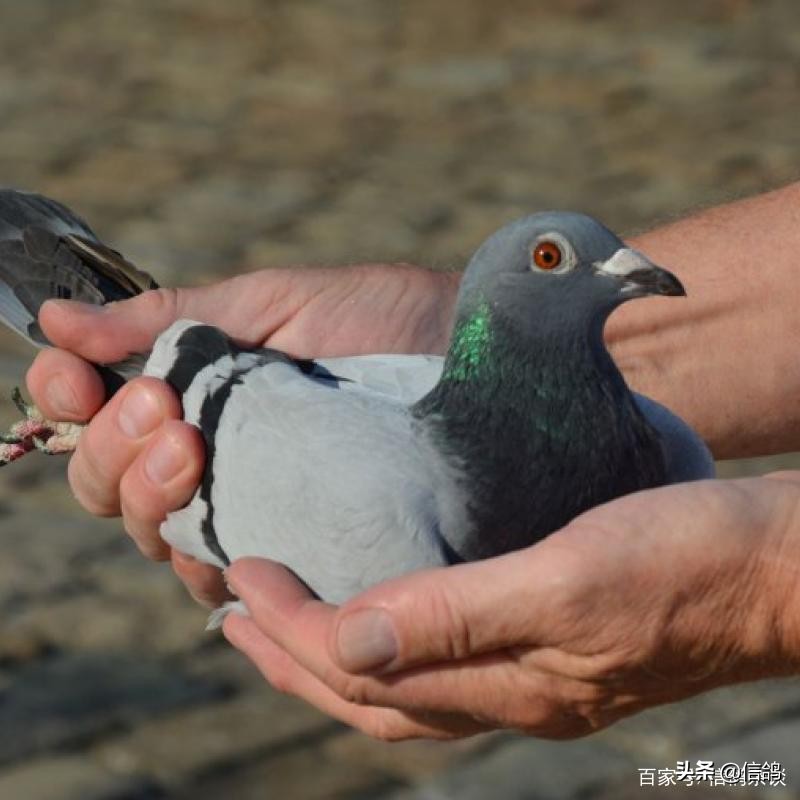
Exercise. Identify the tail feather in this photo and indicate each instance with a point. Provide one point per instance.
(21, 210)
(122, 275)
(46, 252)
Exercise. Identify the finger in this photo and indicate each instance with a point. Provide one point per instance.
(204, 582)
(249, 307)
(785, 475)
(109, 333)
(64, 386)
(162, 478)
(286, 675)
(287, 613)
(116, 435)
(452, 613)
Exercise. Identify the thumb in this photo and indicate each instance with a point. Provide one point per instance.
(447, 614)
(250, 307)
(109, 333)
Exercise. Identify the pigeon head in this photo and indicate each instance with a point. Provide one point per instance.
(530, 408)
(559, 265)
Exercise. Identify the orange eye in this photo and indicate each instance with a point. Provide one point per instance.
(547, 255)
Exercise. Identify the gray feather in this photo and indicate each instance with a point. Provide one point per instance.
(30, 271)
(48, 252)
(328, 530)
(408, 378)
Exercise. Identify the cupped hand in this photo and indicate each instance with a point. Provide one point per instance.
(649, 599)
(136, 457)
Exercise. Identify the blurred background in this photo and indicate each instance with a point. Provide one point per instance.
(204, 138)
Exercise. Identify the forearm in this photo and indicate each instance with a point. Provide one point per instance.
(766, 591)
(726, 359)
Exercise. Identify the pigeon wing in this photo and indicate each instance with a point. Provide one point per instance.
(406, 378)
(409, 377)
(304, 468)
(687, 456)
(47, 252)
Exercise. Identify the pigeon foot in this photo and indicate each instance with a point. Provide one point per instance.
(35, 432)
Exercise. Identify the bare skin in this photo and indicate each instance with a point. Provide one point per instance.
(696, 582)
(725, 358)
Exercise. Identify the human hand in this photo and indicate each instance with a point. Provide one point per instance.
(649, 599)
(137, 458)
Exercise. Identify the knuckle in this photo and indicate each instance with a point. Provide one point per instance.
(145, 535)
(92, 440)
(140, 506)
(546, 720)
(162, 303)
(205, 588)
(279, 678)
(562, 729)
(354, 690)
(526, 704)
(279, 683)
(560, 709)
(445, 615)
(380, 726)
(185, 569)
(90, 489)
(102, 452)
(194, 572)
(150, 549)
(36, 372)
(95, 507)
(201, 599)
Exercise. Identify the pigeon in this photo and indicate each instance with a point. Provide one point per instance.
(354, 470)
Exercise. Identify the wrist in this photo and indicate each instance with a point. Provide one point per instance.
(766, 637)
(779, 577)
(732, 584)
(724, 359)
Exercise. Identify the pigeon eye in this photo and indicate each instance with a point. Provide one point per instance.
(547, 255)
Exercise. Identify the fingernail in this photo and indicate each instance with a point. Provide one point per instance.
(140, 413)
(61, 396)
(164, 461)
(365, 640)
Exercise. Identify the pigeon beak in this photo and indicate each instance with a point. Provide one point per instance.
(639, 275)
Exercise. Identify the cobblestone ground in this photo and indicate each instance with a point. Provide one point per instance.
(204, 138)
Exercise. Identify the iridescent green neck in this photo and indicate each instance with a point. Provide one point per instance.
(470, 345)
